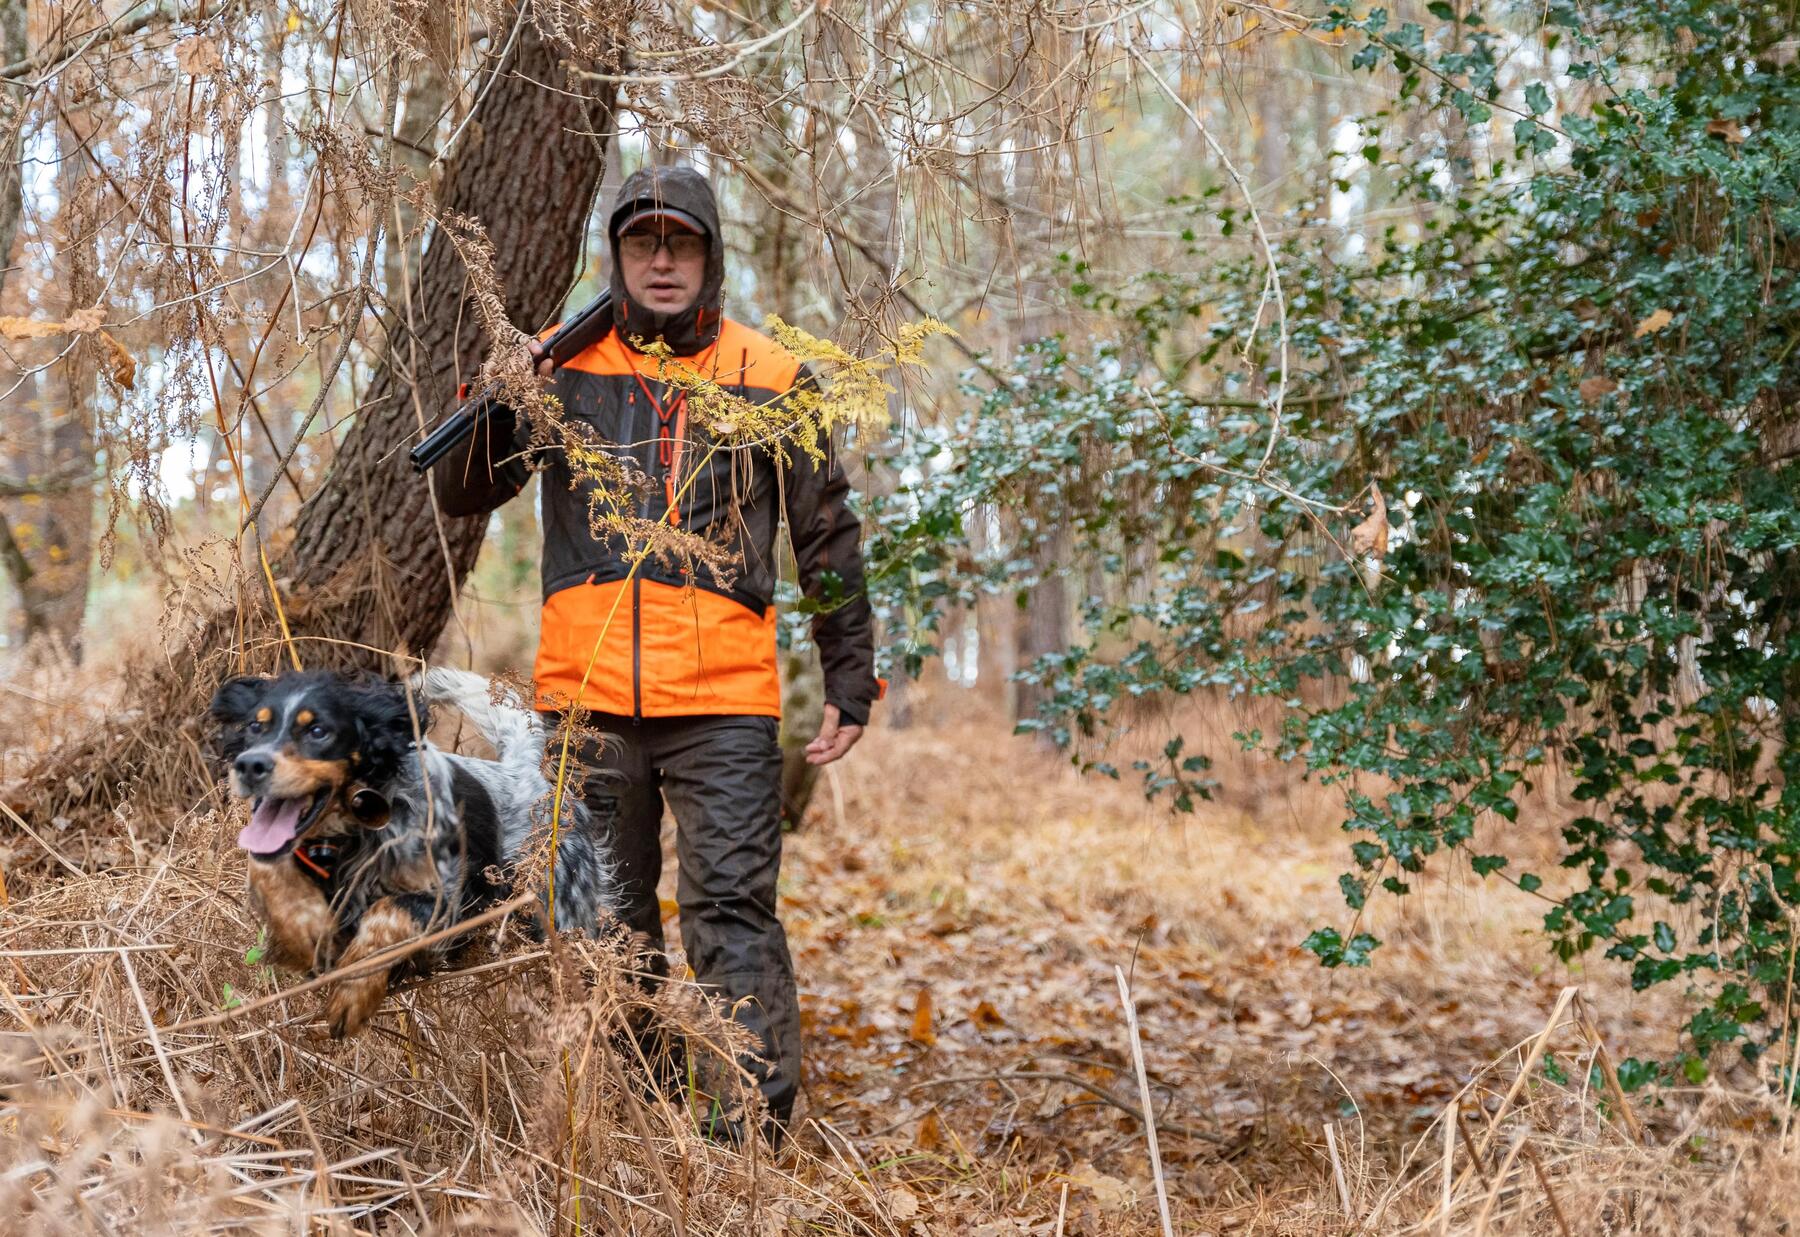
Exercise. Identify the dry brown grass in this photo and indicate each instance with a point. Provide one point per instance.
(957, 903)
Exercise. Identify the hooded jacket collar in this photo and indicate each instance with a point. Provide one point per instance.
(695, 328)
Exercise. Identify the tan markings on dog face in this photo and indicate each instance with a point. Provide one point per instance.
(354, 1001)
(296, 776)
(302, 928)
(265, 715)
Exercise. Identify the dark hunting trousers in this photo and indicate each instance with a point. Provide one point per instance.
(721, 777)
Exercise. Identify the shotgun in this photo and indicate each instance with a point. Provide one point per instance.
(573, 337)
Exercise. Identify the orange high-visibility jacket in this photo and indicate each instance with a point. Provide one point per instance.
(666, 643)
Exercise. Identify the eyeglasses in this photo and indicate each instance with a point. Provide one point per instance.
(682, 246)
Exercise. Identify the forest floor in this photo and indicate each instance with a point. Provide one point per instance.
(959, 904)
(958, 909)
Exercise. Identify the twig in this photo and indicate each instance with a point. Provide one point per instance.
(156, 1046)
(1062, 1209)
(1451, 1116)
(102, 34)
(374, 962)
(1537, 1051)
(61, 483)
(449, 146)
(743, 51)
(1094, 1089)
(131, 1114)
(349, 323)
(75, 950)
(1468, 1145)
(1562, 1225)
(1137, 1061)
(1337, 1169)
(1274, 281)
(1611, 1075)
(642, 1128)
(1487, 1205)
(54, 853)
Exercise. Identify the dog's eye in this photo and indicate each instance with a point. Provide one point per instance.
(318, 732)
(254, 727)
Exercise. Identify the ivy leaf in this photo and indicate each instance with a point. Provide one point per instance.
(1537, 99)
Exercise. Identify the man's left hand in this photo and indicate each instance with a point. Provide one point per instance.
(835, 738)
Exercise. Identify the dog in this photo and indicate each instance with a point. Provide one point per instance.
(363, 836)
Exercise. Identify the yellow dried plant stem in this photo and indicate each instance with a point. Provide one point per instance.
(568, 728)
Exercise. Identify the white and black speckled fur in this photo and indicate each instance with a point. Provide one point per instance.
(520, 795)
(456, 825)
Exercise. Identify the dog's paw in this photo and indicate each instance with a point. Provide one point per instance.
(353, 1003)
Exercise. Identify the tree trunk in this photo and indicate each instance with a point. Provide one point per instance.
(372, 560)
(20, 404)
(372, 567)
(1043, 627)
(12, 187)
(48, 441)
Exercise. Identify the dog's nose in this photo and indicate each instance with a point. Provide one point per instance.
(254, 767)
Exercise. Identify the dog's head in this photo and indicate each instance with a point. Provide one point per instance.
(292, 744)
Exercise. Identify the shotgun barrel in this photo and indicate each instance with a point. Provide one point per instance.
(575, 336)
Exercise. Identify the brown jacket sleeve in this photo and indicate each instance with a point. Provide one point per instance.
(486, 469)
(828, 552)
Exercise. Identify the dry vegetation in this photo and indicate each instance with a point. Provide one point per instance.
(961, 904)
(958, 904)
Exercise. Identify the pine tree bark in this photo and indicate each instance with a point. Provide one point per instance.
(372, 560)
(372, 567)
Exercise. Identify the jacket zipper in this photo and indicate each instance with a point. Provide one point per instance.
(637, 626)
(637, 677)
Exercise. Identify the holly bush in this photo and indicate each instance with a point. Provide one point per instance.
(1528, 509)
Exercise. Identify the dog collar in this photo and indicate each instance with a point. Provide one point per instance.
(318, 858)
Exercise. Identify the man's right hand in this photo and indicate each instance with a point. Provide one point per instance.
(546, 368)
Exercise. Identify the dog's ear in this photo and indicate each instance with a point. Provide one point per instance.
(237, 698)
(387, 725)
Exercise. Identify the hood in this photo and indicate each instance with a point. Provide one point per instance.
(696, 327)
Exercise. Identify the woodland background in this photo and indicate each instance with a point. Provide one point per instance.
(1342, 572)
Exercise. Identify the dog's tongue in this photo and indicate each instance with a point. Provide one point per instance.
(272, 825)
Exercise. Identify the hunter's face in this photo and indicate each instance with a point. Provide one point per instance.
(663, 265)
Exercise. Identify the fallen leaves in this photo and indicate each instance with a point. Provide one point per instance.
(1653, 323)
(986, 1017)
(1597, 388)
(923, 1032)
(970, 1065)
(1726, 128)
(902, 1203)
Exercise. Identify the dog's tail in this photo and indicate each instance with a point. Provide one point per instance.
(514, 729)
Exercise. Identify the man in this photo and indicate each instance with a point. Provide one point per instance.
(683, 668)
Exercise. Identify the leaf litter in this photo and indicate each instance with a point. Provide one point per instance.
(955, 915)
